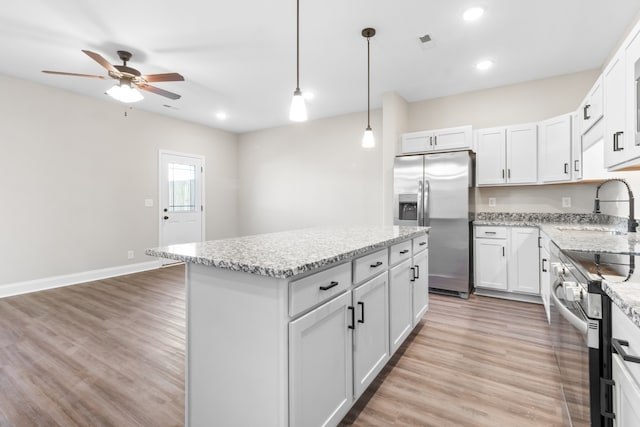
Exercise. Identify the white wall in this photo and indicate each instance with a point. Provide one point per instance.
(310, 174)
(75, 173)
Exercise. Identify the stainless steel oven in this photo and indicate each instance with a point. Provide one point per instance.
(580, 327)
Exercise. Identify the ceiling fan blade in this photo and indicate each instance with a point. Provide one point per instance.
(75, 74)
(167, 77)
(159, 91)
(100, 60)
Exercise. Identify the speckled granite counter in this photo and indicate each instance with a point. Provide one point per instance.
(587, 233)
(288, 253)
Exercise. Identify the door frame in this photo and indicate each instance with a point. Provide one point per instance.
(162, 152)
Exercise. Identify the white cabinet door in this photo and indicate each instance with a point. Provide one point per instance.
(371, 336)
(522, 154)
(491, 263)
(459, 138)
(632, 122)
(420, 285)
(490, 156)
(626, 396)
(417, 142)
(592, 108)
(400, 304)
(523, 265)
(320, 364)
(576, 148)
(616, 141)
(555, 141)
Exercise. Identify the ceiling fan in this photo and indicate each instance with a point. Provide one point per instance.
(128, 78)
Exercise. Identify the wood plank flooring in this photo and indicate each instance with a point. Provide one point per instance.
(111, 353)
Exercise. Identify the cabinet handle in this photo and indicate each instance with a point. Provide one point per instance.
(353, 318)
(616, 141)
(543, 261)
(576, 168)
(435, 140)
(489, 232)
(509, 173)
(326, 288)
(413, 274)
(606, 397)
(417, 271)
(377, 264)
(585, 115)
(503, 251)
(566, 168)
(361, 304)
(430, 140)
(404, 252)
(502, 173)
(617, 347)
(539, 240)
(422, 243)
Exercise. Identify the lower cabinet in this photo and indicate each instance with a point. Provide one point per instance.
(400, 303)
(625, 369)
(545, 279)
(321, 364)
(420, 285)
(507, 260)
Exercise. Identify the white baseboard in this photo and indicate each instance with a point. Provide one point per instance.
(536, 299)
(28, 286)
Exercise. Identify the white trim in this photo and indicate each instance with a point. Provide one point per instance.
(12, 289)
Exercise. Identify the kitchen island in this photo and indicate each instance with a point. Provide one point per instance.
(288, 329)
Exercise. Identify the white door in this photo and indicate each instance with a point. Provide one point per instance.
(181, 198)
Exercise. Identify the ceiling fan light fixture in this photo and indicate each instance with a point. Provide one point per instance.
(298, 112)
(123, 92)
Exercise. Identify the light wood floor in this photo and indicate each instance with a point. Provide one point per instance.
(111, 353)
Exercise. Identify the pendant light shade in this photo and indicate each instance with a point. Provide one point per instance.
(367, 139)
(123, 92)
(298, 112)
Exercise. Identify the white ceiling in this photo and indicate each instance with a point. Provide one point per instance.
(239, 56)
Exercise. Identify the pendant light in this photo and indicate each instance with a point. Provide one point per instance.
(298, 112)
(367, 139)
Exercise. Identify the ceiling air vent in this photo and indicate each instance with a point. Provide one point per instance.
(425, 39)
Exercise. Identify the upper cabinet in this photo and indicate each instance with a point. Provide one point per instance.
(458, 138)
(555, 149)
(622, 117)
(507, 155)
(592, 107)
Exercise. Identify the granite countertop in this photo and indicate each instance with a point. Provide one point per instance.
(288, 253)
(588, 237)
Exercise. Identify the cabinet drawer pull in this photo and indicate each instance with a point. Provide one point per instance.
(361, 304)
(489, 232)
(326, 288)
(413, 274)
(543, 269)
(566, 168)
(616, 141)
(377, 264)
(617, 347)
(406, 251)
(353, 317)
(422, 243)
(503, 251)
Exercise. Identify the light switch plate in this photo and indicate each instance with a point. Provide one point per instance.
(566, 202)
(148, 203)
(492, 202)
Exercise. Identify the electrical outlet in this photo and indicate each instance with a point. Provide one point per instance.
(566, 202)
(129, 254)
(492, 202)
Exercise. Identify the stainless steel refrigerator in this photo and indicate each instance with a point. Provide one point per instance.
(437, 190)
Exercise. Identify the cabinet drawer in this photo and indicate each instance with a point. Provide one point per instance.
(490, 232)
(370, 265)
(622, 328)
(420, 243)
(399, 252)
(319, 287)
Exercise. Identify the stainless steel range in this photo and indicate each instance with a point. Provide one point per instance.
(581, 331)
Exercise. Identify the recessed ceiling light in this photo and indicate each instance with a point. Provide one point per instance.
(221, 115)
(484, 65)
(473, 14)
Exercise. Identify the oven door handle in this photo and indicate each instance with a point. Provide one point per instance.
(578, 323)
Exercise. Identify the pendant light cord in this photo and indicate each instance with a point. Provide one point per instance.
(368, 85)
(297, 45)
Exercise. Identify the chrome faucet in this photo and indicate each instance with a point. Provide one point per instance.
(631, 222)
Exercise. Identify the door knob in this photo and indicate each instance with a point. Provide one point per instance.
(166, 217)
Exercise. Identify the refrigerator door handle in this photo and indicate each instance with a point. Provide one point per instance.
(425, 201)
(419, 203)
